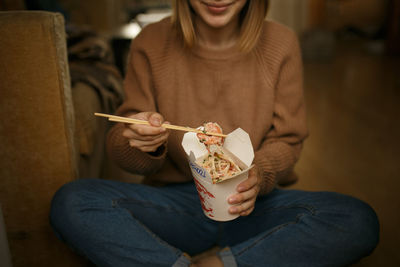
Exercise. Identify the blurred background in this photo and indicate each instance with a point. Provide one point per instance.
(351, 57)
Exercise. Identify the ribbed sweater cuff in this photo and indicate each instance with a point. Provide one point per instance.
(132, 159)
(274, 161)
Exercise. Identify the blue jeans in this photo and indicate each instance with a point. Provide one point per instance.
(118, 224)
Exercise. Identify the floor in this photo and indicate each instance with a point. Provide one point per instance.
(353, 148)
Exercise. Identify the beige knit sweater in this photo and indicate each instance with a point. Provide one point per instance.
(260, 92)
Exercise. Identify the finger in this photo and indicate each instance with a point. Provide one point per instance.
(151, 148)
(130, 134)
(245, 207)
(246, 212)
(156, 119)
(155, 142)
(146, 130)
(146, 116)
(244, 196)
(250, 182)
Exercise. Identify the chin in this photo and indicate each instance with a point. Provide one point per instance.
(217, 23)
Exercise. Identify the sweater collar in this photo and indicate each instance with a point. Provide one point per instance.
(208, 53)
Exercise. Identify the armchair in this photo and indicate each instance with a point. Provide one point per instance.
(48, 134)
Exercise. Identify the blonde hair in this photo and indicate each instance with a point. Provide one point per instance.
(252, 17)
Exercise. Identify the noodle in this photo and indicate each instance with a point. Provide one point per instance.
(218, 164)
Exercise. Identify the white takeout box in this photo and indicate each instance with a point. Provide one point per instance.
(214, 197)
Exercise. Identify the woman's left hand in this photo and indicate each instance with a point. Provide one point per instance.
(247, 190)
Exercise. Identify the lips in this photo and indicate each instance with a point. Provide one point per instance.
(217, 8)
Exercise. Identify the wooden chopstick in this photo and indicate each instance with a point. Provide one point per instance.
(164, 125)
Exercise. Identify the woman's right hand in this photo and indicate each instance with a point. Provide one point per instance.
(146, 138)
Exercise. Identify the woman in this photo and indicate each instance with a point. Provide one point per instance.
(217, 61)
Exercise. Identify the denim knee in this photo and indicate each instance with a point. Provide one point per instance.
(359, 224)
(364, 226)
(65, 206)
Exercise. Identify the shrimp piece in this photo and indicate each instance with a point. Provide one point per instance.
(207, 140)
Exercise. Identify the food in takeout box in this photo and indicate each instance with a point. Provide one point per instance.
(217, 176)
(217, 162)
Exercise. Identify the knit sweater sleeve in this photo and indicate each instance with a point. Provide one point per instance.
(282, 144)
(139, 97)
